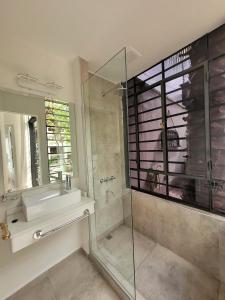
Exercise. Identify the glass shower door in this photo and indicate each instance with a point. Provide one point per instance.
(111, 229)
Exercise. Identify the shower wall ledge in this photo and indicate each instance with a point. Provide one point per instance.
(195, 235)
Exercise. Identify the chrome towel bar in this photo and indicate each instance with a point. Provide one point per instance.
(39, 233)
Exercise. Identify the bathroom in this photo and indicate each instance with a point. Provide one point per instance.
(111, 154)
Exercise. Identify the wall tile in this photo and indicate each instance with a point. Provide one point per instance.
(196, 236)
(144, 212)
(164, 275)
(222, 292)
(222, 251)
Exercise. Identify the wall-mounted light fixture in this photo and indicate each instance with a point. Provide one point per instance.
(31, 83)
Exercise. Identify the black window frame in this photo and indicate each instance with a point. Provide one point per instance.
(135, 88)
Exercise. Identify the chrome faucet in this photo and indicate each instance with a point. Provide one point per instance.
(60, 180)
(68, 182)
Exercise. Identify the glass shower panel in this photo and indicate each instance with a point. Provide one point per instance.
(112, 237)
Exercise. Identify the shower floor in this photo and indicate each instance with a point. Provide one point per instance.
(74, 278)
(160, 273)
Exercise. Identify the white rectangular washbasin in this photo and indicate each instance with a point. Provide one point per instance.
(47, 202)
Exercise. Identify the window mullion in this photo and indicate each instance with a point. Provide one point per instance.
(207, 129)
(164, 128)
(137, 133)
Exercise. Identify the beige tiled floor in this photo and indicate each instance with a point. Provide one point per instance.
(75, 278)
(160, 273)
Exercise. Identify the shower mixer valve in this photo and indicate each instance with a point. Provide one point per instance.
(106, 179)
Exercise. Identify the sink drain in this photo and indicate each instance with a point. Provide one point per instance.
(14, 220)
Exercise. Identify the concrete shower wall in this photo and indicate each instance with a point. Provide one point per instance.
(106, 129)
(197, 236)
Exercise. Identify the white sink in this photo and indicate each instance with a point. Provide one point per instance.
(39, 204)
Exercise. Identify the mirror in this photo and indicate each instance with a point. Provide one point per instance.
(19, 151)
(37, 141)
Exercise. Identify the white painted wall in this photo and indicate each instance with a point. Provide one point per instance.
(16, 270)
(17, 57)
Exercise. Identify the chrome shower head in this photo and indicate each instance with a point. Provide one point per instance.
(117, 90)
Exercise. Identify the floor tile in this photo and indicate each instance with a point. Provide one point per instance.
(36, 290)
(117, 248)
(142, 247)
(75, 278)
(160, 274)
(222, 291)
(165, 276)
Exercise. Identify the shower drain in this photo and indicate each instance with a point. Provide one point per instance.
(109, 237)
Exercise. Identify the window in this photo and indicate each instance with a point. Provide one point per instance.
(58, 139)
(176, 125)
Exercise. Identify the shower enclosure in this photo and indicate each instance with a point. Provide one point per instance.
(105, 96)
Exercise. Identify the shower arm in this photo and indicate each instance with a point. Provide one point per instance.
(117, 87)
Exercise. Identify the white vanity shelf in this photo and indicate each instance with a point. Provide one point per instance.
(25, 233)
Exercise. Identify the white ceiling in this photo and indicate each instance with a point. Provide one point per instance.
(96, 29)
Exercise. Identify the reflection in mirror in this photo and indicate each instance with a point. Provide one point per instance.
(19, 151)
(37, 141)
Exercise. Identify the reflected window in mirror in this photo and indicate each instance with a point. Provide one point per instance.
(58, 140)
(19, 151)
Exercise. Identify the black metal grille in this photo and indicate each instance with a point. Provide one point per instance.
(58, 139)
(176, 121)
(173, 139)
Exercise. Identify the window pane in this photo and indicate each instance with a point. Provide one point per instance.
(153, 155)
(217, 117)
(217, 42)
(187, 57)
(150, 145)
(186, 124)
(131, 111)
(218, 196)
(149, 77)
(151, 72)
(193, 191)
(132, 129)
(152, 95)
(133, 155)
(132, 147)
(130, 100)
(153, 182)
